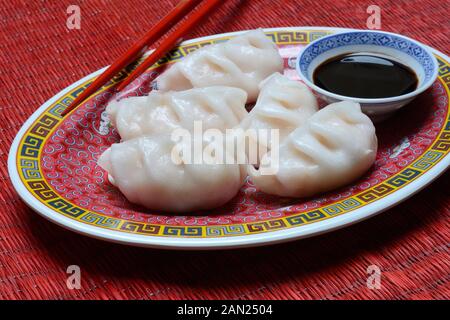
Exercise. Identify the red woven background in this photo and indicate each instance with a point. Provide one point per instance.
(40, 57)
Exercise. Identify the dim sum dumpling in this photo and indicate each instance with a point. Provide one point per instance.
(334, 147)
(242, 62)
(144, 171)
(216, 107)
(282, 104)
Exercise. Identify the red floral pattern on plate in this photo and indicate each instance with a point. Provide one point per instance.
(71, 152)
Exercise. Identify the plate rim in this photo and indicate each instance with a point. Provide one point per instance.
(259, 239)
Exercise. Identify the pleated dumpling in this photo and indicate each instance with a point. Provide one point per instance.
(145, 171)
(334, 147)
(216, 107)
(242, 62)
(282, 104)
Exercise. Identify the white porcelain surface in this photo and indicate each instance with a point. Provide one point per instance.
(381, 108)
(257, 239)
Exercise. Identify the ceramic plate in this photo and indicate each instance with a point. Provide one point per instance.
(52, 164)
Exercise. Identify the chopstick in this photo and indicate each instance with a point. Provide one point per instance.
(171, 41)
(175, 15)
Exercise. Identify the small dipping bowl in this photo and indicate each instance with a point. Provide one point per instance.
(393, 46)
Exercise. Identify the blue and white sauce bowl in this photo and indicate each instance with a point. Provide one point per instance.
(389, 45)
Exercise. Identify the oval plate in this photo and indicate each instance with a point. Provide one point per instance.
(52, 165)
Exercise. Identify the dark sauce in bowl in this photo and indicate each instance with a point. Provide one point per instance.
(365, 76)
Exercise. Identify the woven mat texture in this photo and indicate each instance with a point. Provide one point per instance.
(40, 56)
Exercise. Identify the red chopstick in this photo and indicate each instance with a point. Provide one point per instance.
(136, 50)
(170, 41)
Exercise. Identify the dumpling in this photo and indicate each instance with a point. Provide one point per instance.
(242, 62)
(216, 107)
(282, 104)
(150, 171)
(334, 147)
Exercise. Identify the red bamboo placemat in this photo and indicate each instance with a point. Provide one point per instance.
(40, 56)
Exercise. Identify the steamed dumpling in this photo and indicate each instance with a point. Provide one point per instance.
(216, 107)
(282, 104)
(144, 171)
(335, 146)
(242, 62)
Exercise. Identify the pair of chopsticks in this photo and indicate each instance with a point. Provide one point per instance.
(142, 45)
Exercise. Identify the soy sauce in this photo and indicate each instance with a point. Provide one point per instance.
(365, 76)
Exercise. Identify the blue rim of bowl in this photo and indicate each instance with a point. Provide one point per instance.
(430, 79)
